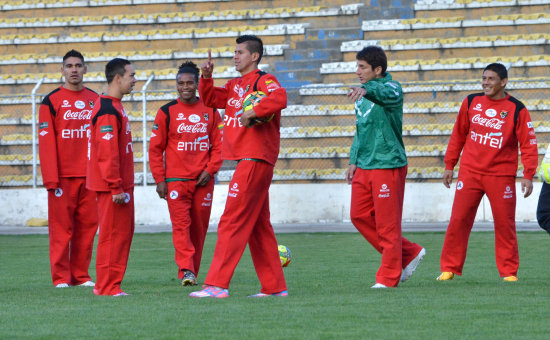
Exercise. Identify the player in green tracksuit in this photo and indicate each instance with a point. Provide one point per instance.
(378, 168)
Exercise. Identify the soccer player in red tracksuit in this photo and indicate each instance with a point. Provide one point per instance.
(189, 134)
(256, 147)
(487, 131)
(111, 174)
(63, 143)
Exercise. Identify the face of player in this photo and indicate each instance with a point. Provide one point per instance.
(365, 72)
(492, 85)
(187, 87)
(128, 80)
(73, 70)
(245, 61)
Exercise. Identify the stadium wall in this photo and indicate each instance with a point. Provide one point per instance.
(290, 203)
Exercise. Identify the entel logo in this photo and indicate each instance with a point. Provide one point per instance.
(66, 103)
(235, 187)
(83, 132)
(478, 107)
(459, 185)
(384, 188)
(129, 147)
(488, 139)
(180, 116)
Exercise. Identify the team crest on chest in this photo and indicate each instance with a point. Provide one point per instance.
(503, 114)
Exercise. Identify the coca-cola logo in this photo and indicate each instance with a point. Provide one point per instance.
(192, 128)
(493, 123)
(236, 103)
(79, 115)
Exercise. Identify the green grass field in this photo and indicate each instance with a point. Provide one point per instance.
(328, 280)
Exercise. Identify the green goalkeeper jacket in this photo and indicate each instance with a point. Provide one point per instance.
(378, 142)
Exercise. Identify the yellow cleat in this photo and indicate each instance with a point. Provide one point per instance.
(446, 276)
(510, 278)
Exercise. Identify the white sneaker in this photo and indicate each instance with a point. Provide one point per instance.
(87, 284)
(379, 285)
(62, 285)
(411, 267)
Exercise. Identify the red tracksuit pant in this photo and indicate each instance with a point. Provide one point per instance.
(116, 229)
(72, 225)
(501, 192)
(376, 211)
(246, 219)
(189, 207)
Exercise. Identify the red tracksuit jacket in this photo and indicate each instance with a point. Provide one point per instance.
(191, 137)
(261, 141)
(110, 154)
(63, 130)
(489, 131)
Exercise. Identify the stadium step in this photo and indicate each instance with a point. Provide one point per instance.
(307, 54)
(347, 33)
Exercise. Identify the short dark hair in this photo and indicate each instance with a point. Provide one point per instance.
(114, 67)
(499, 69)
(253, 44)
(190, 68)
(73, 53)
(374, 56)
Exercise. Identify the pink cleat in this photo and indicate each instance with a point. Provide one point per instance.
(211, 291)
(284, 293)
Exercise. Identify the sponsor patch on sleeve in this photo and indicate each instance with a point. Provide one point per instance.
(533, 141)
(530, 125)
(220, 126)
(155, 126)
(43, 125)
(271, 85)
(106, 128)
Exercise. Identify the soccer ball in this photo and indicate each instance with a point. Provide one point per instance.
(284, 255)
(251, 100)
